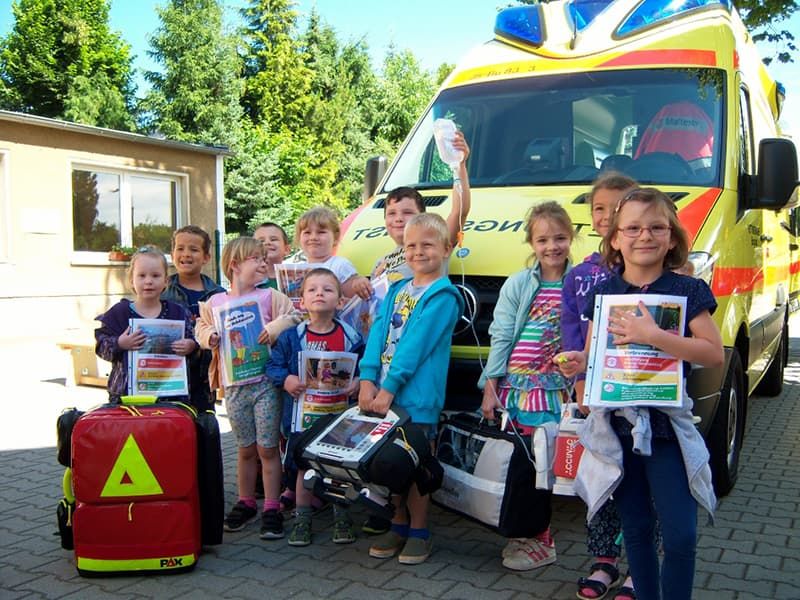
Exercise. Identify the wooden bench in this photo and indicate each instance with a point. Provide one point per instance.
(87, 367)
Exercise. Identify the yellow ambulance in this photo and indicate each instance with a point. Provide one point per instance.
(670, 92)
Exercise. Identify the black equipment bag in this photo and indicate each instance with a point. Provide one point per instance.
(64, 424)
(210, 478)
(489, 476)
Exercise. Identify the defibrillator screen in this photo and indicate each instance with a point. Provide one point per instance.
(348, 433)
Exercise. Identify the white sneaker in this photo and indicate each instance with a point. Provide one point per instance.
(513, 545)
(533, 554)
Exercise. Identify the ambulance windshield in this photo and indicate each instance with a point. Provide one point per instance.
(660, 126)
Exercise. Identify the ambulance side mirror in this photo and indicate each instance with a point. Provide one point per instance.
(374, 172)
(777, 175)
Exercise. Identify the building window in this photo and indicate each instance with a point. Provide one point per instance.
(130, 209)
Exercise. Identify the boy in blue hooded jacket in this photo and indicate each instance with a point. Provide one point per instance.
(405, 363)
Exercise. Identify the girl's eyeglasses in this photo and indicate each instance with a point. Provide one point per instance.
(260, 258)
(634, 231)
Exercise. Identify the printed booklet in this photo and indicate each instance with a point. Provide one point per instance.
(290, 279)
(327, 376)
(239, 323)
(634, 374)
(360, 313)
(154, 369)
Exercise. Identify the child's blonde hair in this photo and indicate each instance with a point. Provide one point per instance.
(432, 222)
(551, 211)
(322, 217)
(149, 250)
(321, 272)
(676, 257)
(237, 251)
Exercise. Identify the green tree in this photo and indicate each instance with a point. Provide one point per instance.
(195, 97)
(62, 60)
(277, 82)
(403, 92)
(764, 19)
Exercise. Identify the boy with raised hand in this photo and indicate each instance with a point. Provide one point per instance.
(405, 202)
(405, 364)
(399, 206)
(191, 251)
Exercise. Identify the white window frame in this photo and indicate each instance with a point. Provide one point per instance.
(181, 180)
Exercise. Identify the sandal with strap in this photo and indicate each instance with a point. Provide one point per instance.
(625, 593)
(598, 588)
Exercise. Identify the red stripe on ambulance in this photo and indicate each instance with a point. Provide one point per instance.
(706, 58)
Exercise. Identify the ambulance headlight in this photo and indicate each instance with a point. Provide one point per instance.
(700, 265)
(651, 12)
(521, 23)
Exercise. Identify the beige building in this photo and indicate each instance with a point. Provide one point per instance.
(69, 192)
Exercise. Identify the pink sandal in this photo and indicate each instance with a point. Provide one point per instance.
(598, 588)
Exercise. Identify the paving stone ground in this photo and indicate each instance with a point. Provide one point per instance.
(752, 551)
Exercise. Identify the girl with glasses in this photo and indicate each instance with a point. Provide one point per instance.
(665, 474)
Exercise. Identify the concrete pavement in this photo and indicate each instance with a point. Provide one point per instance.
(751, 552)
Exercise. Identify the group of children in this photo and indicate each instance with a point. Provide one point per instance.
(540, 337)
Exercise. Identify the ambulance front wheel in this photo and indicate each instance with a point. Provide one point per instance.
(727, 430)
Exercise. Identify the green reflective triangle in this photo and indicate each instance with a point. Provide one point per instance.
(131, 475)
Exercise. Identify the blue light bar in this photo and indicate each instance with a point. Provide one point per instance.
(651, 12)
(521, 23)
(583, 12)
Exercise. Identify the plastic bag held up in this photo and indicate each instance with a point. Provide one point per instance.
(444, 131)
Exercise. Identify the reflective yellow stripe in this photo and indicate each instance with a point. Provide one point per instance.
(139, 564)
(66, 485)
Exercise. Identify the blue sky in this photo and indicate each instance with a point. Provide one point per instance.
(436, 31)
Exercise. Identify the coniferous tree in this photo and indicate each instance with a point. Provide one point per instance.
(195, 96)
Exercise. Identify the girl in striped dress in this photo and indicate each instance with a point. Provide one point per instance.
(520, 375)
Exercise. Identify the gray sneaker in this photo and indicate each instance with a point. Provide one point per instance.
(387, 545)
(343, 531)
(416, 551)
(301, 533)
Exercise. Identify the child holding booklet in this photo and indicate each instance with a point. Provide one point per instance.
(321, 297)
(147, 275)
(603, 530)
(253, 406)
(519, 376)
(667, 475)
(317, 233)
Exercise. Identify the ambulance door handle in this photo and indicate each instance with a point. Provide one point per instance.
(794, 247)
(766, 238)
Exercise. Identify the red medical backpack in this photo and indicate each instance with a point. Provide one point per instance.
(134, 470)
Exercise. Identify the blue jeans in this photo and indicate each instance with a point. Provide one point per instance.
(661, 477)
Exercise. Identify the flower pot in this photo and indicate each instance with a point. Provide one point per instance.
(116, 255)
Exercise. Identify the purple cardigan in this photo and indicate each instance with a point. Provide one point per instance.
(114, 322)
(577, 284)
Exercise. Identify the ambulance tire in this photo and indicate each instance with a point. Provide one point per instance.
(727, 430)
(772, 382)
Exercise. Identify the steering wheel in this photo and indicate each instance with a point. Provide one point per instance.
(661, 166)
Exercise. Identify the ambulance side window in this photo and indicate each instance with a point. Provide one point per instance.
(745, 134)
